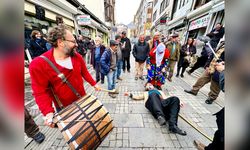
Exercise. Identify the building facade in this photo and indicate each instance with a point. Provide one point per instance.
(143, 17)
(162, 11)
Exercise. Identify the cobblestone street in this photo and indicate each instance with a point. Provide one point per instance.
(135, 127)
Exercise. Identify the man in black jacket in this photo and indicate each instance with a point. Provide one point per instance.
(126, 48)
(140, 52)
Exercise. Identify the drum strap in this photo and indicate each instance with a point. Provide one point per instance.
(62, 76)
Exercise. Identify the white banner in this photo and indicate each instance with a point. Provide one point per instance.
(83, 20)
(198, 23)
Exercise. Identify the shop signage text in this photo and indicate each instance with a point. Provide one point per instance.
(83, 20)
(199, 23)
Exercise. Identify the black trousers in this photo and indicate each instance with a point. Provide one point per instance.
(168, 108)
(31, 129)
(126, 63)
(98, 72)
(218, 140)
(201, 61)
(182, 64)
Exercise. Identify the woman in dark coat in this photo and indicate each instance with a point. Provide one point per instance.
(37, 44)
(187, 51)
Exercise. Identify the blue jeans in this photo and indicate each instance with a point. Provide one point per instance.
(119, 68)
(111, 80)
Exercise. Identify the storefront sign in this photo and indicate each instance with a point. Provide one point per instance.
(83, 20)
(199, 23)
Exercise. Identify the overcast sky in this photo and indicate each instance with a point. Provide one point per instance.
(125, 10)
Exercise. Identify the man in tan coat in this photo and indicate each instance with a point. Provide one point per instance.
(174, 47)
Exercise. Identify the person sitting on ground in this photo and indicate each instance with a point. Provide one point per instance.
(161, 107)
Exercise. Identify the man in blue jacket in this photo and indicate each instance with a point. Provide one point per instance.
(109, 65)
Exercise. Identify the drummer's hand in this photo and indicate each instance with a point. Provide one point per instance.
(49, 120)
(220, 66)
(97, 87)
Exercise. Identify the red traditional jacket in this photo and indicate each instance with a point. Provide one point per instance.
(152, 56)
(44, 78)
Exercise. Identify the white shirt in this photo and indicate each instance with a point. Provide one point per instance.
(67, 63)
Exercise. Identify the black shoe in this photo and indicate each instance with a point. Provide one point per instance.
(209, 101)
(136, 78)
(177, 75)
(119, 78)
(190, 92)
(161, 120)
(128, 71)
(182, 75)
(102, 82)
(141, 78)
(177, 130)
(39, 137)
(189, 72)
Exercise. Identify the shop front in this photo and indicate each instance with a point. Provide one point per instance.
(198, 26)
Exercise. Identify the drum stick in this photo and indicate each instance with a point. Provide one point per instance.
(195, 127)
(105, 90)
(66, 121)
(208, 44)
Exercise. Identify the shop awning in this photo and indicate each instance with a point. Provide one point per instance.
(201, 10)
(218, 7)
(175, 22)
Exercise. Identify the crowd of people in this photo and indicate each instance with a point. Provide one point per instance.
(160, 57)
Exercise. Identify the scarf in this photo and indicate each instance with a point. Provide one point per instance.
(160, 51)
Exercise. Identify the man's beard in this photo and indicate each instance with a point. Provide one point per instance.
(70, 52)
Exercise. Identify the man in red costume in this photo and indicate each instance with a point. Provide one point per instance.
(45, 82)
(156, 64)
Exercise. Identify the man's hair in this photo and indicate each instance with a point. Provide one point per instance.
(55, 33)
(117, 36)
(34, 33)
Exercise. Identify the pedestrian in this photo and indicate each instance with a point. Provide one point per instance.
(47, 84)
(210, 75)
(219, 135)
(216, 34)
(108, 66)
(119, 58)
(37, 44)
(163, 108)
(156, 64)
(126, 49)
(174, 47)
(81, 49)
(31, 128)
(188, 50)
(140, 52)
(96, 54)
(202, 60)
(153, 43)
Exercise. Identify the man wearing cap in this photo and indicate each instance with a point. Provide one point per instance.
(109, 65)
(174, 48)
(126, 48)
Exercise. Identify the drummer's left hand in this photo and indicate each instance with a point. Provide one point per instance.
(97, 87)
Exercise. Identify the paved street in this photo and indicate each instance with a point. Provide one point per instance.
(135, 127)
